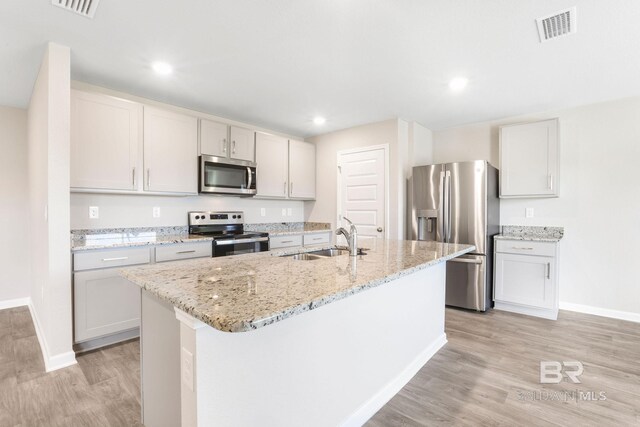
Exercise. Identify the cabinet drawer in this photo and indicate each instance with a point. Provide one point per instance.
(276, 242)
(526, 247)
(316, 238)
(183, 251)
(111, 258)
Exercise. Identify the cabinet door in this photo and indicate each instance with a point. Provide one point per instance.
(242, 144)
(104, 303)
(213, 138)
(272, 169)
(529, 159)
(302, 170)
(527, 280)
(106, 134)
(170, 152)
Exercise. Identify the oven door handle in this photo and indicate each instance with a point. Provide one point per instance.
(239, 241)
(250, 178)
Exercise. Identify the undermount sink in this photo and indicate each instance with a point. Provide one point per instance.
(331, 252)
(306, 257)
(319, 254)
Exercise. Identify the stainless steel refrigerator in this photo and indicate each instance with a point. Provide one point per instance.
(458, 203)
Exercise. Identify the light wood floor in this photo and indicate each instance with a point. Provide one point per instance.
(491, 359)
(103, 389)
(475, 380)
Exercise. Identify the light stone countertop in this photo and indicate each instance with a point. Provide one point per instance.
(244, 292)
(531, 233)
(129, 240)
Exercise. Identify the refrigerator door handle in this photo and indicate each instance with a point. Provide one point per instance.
(441, 210)
(447, 196)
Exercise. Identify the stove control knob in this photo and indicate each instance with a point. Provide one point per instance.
(234, 217)
(197, 216)
(239, 216)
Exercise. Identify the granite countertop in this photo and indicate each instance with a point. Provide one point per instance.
(531, 233)
(290, 228)
(245, 292)
(106, 238)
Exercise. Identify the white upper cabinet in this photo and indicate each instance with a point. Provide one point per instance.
(106, 134)
(530, 159)
(170, 152)
(222, 140)
(302, 170)
(242, 144)
(214, 138)
(272, 165)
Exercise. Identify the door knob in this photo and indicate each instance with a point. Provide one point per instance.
(379, 229)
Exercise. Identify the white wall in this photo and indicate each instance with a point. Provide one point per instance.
(420, 145)
(48, 164)
(137, 211)
(324, 208)
(15, 270)
(599, 198)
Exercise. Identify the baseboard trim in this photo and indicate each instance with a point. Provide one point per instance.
(51, 363)
(544, 313)
(374, 404)
(604, 312)
(12, 303)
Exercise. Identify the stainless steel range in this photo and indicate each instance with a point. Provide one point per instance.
(227, 230)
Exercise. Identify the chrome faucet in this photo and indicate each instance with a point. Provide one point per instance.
(351, 236)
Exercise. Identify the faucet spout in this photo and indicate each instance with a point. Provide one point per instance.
(351, 236)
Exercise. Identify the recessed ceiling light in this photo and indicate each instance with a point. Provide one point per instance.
(162, 68)
(458, 84)
(319, 120)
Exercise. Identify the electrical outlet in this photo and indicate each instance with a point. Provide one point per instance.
(187, 368)
(289, 212)
(284, 211)
(156, 212)
(528, 212)
(263, 212)
(94, 212)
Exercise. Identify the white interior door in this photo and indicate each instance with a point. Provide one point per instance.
(362, 193)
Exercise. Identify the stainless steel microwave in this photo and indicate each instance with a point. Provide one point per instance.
(219, 175)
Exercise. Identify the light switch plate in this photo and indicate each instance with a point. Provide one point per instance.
(94, 212)
(289, 212)
(156, 212)
(284, 211)
(528, 212)
(263, 212)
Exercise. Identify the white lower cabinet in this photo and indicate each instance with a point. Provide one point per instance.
(104, 303)
(526, 278)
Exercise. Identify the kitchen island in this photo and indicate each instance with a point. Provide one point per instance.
(266, 339)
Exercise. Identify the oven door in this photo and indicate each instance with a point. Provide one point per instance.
(226, 176)
(240, 246)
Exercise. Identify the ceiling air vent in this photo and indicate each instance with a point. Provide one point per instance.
(86, 8)
(557, 25)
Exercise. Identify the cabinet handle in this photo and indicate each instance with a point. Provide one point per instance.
(224, 145)
(148, 178)
(287, 241)
(284, 189)
(291, 188)
(548, 270)
(133, 175)
(185, 252)
(115, 259)
(550, 181)
(233, 150)
(317, 238)
(521, 248)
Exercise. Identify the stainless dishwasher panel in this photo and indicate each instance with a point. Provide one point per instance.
(466, 282)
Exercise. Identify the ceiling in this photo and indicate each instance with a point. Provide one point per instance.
(280, 63)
